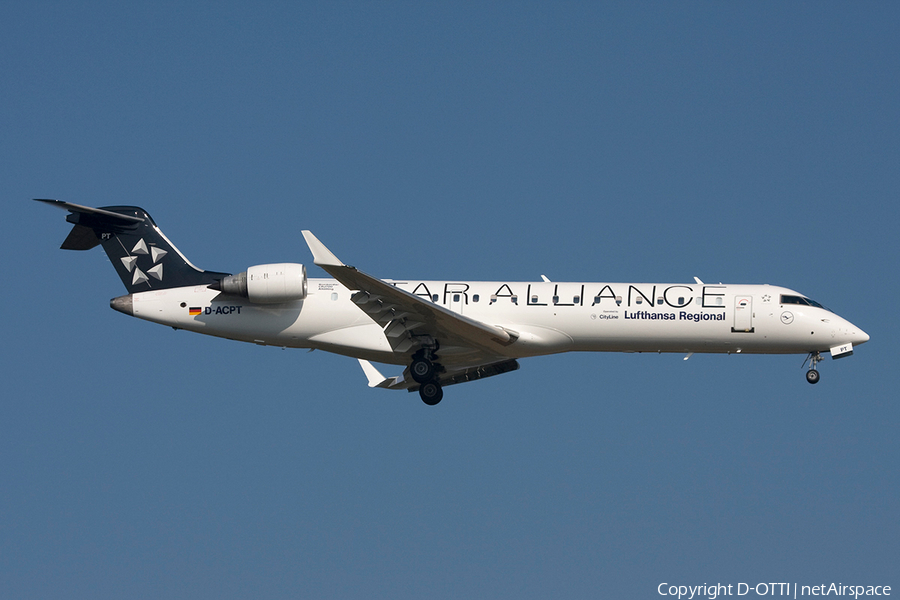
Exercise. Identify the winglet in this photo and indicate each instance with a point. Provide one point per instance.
(322, 256)
(697, 279)
(376, 379)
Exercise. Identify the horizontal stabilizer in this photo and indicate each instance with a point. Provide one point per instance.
(87, 210)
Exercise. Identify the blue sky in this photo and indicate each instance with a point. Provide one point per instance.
(753, 143)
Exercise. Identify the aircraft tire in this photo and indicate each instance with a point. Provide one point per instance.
(422, 370)
(812, 376)
(431, 393)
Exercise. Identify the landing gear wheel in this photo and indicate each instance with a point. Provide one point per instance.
(422, 370)
(431, 393)
(814, 359)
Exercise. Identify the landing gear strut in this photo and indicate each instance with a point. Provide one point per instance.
(812, 375)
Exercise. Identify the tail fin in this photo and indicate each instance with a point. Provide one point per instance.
(143, 256)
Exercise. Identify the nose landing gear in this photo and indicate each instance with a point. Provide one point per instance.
(812, 375)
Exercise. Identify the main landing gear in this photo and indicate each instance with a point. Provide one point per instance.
(425, 372)
(431, 393)
(812, 375)
(422, 370)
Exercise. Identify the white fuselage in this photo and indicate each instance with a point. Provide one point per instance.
(544, 317)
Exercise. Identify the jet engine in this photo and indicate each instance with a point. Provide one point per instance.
(267, 284)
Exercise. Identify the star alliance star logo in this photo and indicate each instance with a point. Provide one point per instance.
(156, 269)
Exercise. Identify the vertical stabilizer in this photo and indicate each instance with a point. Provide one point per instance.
(142, 255)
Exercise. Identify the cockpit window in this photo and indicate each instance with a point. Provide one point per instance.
(786, 299)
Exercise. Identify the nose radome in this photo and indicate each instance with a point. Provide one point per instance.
(854, 334)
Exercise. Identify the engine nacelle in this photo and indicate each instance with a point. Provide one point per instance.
(267, 284)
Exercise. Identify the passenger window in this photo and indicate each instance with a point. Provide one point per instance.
(434, 298)
(619, 300)
(534, 299)
(333, 296)
(555, 299)
(456, 297)
(576, 299)
(639, 300)
(475, 298)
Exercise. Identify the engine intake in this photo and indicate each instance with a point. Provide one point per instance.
(267, 284)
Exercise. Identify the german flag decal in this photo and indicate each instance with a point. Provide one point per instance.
(195, 310)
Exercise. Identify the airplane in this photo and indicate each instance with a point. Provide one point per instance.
(446, 332)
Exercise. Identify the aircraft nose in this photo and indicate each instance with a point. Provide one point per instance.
(854, 334)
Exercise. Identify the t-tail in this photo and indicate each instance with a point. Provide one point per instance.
(142, 255)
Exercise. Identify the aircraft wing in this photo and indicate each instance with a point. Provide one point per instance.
(404, 315)
(451, 376)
